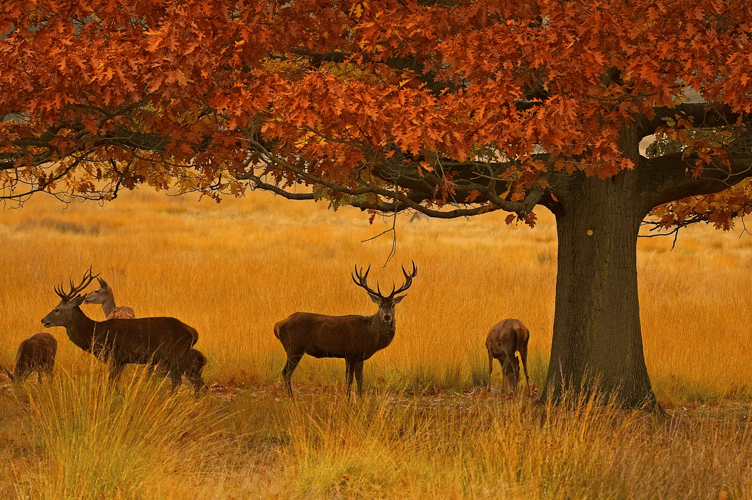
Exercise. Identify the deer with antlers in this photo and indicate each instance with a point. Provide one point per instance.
(355, 338)
(105, 296)
(37, 353)
(166, 342)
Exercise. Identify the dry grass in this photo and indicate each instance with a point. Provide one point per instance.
(232, 270)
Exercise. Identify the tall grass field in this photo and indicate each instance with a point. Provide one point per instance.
(427, 426)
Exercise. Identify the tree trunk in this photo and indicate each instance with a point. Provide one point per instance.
(597, 341)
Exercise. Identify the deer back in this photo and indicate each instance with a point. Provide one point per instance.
(506, 337)
(143, 340)
(331, 336)
(121, 312)
(35, 353)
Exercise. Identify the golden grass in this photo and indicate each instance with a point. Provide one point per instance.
(87, 441)
(233, 270)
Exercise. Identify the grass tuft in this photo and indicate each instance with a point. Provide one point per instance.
(99, 441)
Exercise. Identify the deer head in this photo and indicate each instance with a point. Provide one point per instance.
(511, 370)
(63, 312)
(99, 296)
(386, 303)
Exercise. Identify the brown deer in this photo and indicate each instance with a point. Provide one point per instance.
(503, 340)
(354, 338)
(166, 342)
(193, 369)
(37, 353)
(106, 297)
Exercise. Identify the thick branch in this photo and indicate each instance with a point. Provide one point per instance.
(399, 203)
(668, 178)
(399, 200)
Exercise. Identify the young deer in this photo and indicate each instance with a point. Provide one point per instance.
(191, 370)
(503, 340)
(106, 297)
(37, 353)
(354, 338)
(166, 342)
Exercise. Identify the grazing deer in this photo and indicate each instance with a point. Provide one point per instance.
(106, 297)
(503, 340)
(191, 369)
(166, 342)
(355, 338)
(37, 353)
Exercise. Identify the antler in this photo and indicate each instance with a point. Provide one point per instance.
(88, 278)
(361, 282)
(408, 280)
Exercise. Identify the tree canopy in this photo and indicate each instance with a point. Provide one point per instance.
(450, 108)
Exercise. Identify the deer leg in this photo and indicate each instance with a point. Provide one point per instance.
(198, 383)
(194, 375)
(359, 376)
(175, 376)
(490, 369)
(292, 363)
(523, 357)
(350, 371)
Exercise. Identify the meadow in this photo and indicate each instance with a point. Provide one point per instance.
(426, 427)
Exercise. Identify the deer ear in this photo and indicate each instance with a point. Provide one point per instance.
(76, 301)
(399, 298)
(376, 299)
(102, 283)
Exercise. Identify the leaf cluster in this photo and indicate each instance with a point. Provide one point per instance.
(448, 108)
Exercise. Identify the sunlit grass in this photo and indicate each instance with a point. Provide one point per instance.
(99, 441)
(426, 427)
(233, 270)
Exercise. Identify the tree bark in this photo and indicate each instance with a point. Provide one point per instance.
(597, 340)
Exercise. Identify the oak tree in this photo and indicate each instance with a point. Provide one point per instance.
(608, 113)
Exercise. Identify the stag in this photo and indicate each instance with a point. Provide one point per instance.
(106, 297)
(166, 342)
(503, 340)
(37, 353)
(354, 338)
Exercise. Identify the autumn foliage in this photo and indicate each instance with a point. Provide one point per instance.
(447, 108)
(202, 92)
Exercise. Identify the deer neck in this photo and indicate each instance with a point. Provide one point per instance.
(81, 330)
(384, 332)
(108, 305)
